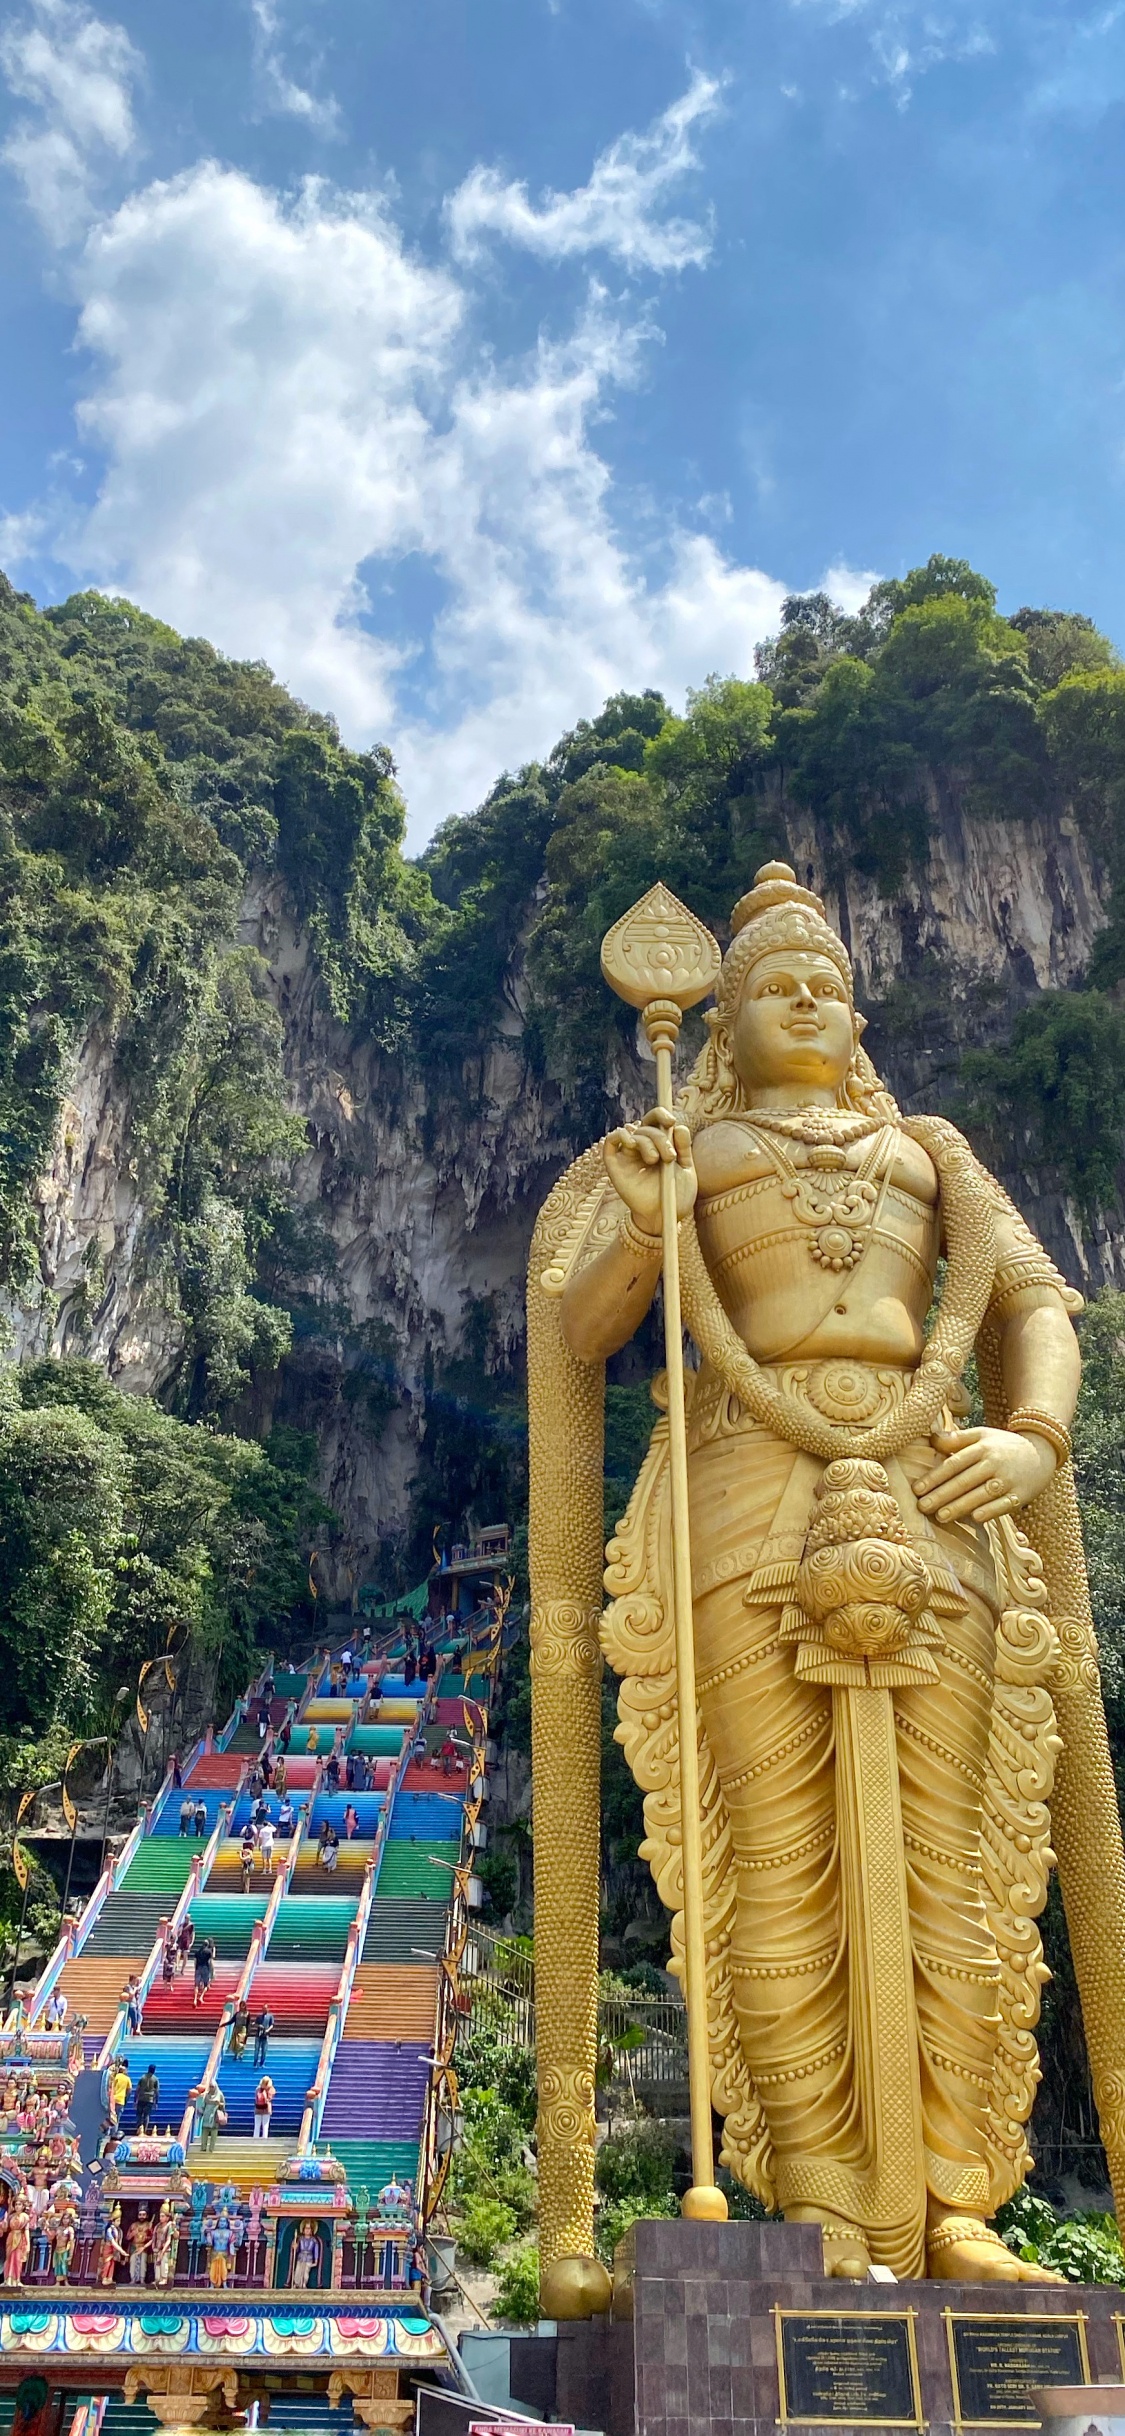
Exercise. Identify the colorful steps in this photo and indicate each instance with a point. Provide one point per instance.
(376, 1741)
(312, 1928)
(92, 1985)
(179, 2063)
(425, 1815)
(246, 2163)
(291, 2064)
(128, 1924)
(328, 1811)
(298, 1993)
(369, 2164)
(229, 1919)
(415, 1869)
(215, 1768)
(161, 1863)
(311, 1878)
(392, 2000)
(171, 2011)
(406, 1932)
(168, 1823)
(377, 2092)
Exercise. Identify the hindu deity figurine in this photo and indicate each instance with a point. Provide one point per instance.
(62, 2228)
(17, 2244)
(165, 2243)
(111, 2248)
(887, 1669)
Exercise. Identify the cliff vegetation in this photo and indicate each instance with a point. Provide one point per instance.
(277, 1104)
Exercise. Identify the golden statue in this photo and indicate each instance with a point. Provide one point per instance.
(883, 1670)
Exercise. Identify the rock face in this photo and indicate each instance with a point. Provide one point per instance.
(429, 1198)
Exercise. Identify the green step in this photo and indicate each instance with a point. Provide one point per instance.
(375, 1741)
(413, 1869)
(162, 1863)
(315, 1926)
(289, 1687)
(372, 2162)
(406, 1932)
(229, 1920)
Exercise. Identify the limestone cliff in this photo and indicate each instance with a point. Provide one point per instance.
(428, 1195)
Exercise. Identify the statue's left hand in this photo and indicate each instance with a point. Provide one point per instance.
(984, 1473)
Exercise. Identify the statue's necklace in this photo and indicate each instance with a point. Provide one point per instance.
(815, 1125)
(837, 1203)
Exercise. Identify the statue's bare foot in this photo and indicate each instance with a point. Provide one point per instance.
(964, 2250)
(845, 2250)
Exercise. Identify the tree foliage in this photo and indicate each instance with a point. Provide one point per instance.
(121, 1526)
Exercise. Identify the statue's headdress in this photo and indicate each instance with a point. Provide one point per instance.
(776, 913)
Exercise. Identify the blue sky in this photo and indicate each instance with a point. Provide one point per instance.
(468, 358)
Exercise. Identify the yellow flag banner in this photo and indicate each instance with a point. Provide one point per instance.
(20, 1862)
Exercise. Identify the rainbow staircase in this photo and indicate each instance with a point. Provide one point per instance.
(347, 1959)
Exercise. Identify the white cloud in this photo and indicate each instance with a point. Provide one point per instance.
(280, 91)
(619, 212)
(77, 73)
(848, 586)
(285, 400)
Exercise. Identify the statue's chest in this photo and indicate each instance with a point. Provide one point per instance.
(790, 1227)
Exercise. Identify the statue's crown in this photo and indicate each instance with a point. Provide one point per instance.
(776, 884)
(777, 913)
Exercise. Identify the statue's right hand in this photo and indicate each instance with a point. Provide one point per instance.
(634, 1157)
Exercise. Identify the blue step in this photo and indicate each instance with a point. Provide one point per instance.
(434, 1818)
(211, 1796)
(291, 2064)
(328, 1811)
(178, 2064)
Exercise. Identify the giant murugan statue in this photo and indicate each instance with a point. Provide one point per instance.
(889, 1674)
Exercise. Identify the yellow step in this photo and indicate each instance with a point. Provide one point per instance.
(243, 2162)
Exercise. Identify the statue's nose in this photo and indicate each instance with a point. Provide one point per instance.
(804, 996)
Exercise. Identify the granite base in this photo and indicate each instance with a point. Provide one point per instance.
(700, 2354)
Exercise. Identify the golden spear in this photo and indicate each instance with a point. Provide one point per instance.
(662, 961)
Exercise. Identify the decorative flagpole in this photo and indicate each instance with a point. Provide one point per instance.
(662, 961)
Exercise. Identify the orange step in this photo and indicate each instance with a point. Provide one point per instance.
(93, 1986)
(392, 2000)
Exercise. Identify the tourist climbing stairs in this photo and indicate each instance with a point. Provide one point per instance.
(346, 1944)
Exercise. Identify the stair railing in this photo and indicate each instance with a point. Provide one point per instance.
(260, 1934)
(338, 2008)
(201, 1865)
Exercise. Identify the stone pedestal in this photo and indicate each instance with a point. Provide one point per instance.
(737, 2331)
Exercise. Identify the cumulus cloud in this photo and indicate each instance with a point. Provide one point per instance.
(77, 73)
(848, 586)
(619, 212)
(289, 407)
(280, 91)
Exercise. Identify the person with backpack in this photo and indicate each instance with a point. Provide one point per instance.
(264, 2096)
(262, 2028)
(148, 2098)
(203, 1956)
(201, 1818)
(187, 1813)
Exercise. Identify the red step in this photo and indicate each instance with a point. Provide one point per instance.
(169, 2012)
(221, 1768)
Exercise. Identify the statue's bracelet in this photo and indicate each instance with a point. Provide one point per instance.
(1039, 1424)
(649, 1247)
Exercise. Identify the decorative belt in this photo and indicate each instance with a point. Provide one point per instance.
(859, 1394)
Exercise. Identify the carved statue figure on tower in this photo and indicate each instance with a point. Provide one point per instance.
(890, 1675)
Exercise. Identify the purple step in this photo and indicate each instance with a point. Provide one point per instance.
(377, 2091)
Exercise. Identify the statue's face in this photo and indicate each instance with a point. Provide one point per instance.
(793, 1025)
